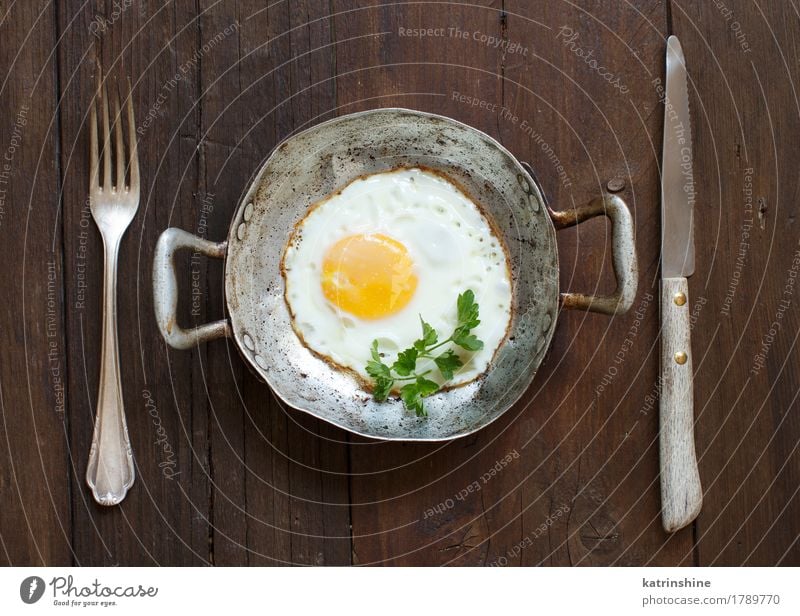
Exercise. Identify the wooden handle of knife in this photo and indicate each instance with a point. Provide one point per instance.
(681, 494)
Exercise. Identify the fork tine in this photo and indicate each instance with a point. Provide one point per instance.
(94, 180)
(119, 161)
(106, 143)
(134, 158)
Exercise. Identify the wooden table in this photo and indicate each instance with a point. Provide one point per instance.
(569, 476)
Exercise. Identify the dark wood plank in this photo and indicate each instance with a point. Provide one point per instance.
(581, 484)
(569, 476)
(394, 485)
(163, 519)
(281, 489)
(36, 523)
(593, 402)
(745, 110)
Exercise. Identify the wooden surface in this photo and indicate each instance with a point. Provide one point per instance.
(681, 492)
(569, 476)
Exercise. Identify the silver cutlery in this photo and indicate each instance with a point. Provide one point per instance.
(681, 493)
(114, 199)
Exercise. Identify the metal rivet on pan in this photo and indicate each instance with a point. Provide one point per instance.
(523, 183)
(260, 361)
(248, 342)
(546, 320)
(240, 231)
(248, 212)
(615, 185)
(681, 357)
(679, 299)
(534, 203)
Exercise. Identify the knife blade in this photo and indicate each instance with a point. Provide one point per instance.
(681, 492)
(677, 179)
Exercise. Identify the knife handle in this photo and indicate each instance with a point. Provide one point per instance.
(681, 493)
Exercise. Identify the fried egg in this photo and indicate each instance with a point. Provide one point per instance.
(367, 262)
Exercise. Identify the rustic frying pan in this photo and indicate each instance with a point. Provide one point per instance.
(309, 166)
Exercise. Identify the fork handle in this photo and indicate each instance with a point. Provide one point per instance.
(110, 471)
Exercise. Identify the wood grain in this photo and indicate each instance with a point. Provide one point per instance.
(746, 387)
(681, 494)
(35, 523)
(562, 423)
(280, 480)
(162, 520)
(570, 475)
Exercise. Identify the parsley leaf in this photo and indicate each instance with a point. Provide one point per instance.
(467, 310)
(377, 370)
(383, 386)
(381, 373)
(374, 352)
(463, 338)
(406, 362)
(410, 396)
(404, 368)
(413, 393)
(429, 336)
(375, 367)
(426, 387)
(448, 362)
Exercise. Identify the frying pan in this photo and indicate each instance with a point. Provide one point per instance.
(312, 164)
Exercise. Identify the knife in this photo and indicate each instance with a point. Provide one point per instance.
(681, 494)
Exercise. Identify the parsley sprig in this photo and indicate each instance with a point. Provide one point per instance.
(428, 347)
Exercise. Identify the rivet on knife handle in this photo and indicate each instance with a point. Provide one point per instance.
(681, 494)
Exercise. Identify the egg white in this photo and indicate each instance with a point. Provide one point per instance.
(453, 248)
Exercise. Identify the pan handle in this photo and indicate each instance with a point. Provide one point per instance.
(623, 246)
(165, 289)
(626, 268)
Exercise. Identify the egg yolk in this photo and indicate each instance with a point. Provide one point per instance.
(368, 275)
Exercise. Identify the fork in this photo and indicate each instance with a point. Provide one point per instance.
(110, 472)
